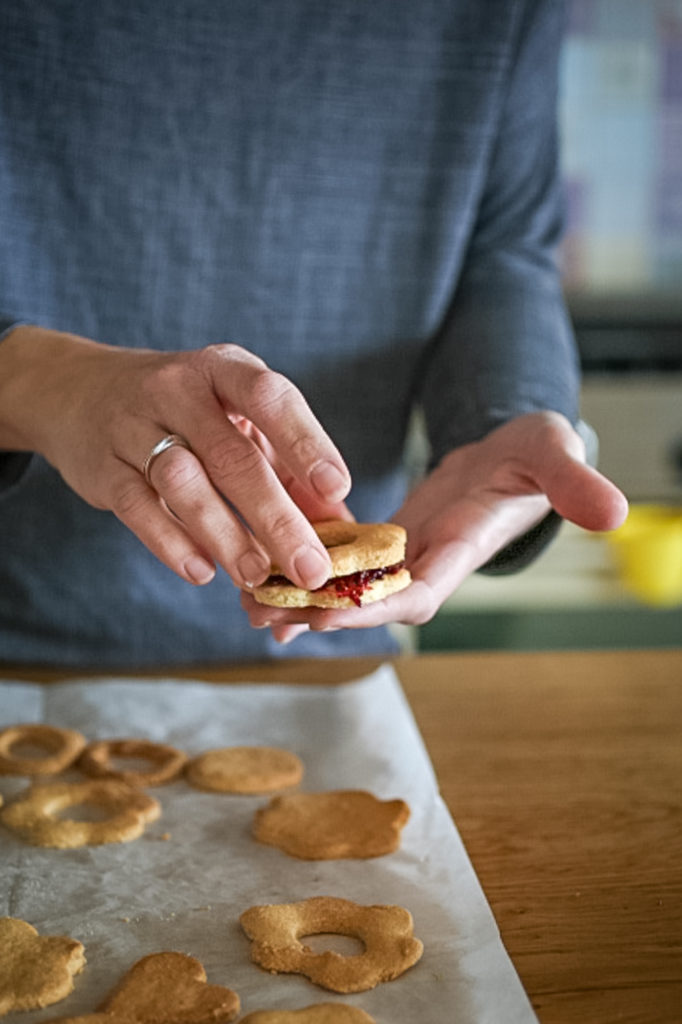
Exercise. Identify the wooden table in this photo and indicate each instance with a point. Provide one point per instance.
(563, 773)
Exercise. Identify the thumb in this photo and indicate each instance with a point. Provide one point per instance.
(584, 496)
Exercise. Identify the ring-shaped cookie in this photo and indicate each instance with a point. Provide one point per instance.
(166, 762)
(276, 931)
(353, 547)
(61, 746)
(367, 565)
(34, 815)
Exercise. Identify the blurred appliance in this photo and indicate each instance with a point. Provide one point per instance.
(621, 125)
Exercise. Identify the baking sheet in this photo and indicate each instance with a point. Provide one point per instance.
(184, 883)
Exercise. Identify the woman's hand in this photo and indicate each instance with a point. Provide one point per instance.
(258, 469)
(480, 498)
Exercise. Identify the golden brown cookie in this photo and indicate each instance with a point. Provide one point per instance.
(61, 747)
(244, 770)
(92, 1018)
(35, 970)
(276, 931)
(170, 988)
(367, 564)
(165, 762)
(319, 1013)
(164, 988)
(331, 825)
(35, 814)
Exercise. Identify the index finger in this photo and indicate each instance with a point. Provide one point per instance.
(246, 386)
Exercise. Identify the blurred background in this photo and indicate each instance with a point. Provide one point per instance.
(621, 127)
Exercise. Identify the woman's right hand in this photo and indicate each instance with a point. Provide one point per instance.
(258, 469)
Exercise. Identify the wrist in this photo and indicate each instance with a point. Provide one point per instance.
(37, 370)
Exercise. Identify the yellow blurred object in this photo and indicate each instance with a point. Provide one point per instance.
(648, 552)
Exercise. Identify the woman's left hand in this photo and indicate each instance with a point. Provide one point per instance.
(477, 500)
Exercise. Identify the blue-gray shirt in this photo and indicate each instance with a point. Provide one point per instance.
(363, 193)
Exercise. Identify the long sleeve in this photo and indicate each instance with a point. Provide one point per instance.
(506, 345)
(12, 464)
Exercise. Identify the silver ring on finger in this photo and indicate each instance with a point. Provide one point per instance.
(169, 441)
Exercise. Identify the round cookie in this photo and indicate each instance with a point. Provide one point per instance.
(367, 565)
(244, 770)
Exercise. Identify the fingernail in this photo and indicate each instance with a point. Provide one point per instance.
(252, 568)
(329, 481)
(312, 567)
(199, 570)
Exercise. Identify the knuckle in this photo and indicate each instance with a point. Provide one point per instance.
(282, 526)
(128, 500)
(269, 391)
(176, 472)
(215, 356)
(163, 378)
(232, 455)
(305, 448)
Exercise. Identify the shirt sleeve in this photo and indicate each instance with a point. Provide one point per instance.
(13, 465)
(506, 346)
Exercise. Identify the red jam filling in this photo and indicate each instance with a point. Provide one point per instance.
(353, 586)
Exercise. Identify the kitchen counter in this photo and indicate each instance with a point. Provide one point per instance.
(563, 773)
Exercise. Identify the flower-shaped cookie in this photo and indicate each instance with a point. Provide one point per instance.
(35, 814)
(275, 931)
(35, 970)
(332, 825)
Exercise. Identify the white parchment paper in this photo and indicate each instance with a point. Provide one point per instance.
(184, 883)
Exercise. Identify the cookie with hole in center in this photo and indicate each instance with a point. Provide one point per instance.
(386, 933)
(37, 814)
(55, 749)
